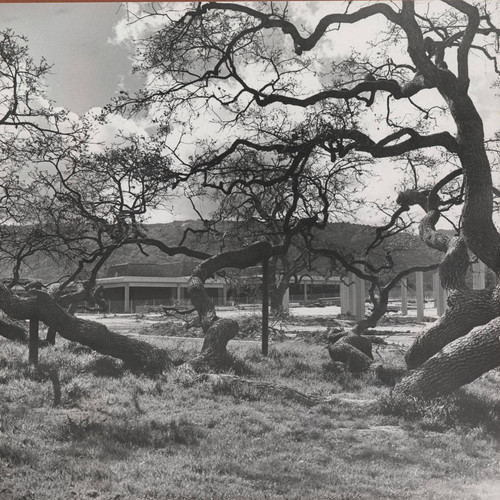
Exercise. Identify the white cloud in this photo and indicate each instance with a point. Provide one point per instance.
(335, 45)
(109, 132)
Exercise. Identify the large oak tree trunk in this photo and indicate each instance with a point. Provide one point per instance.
(135, 353)
(276, 296)
(378, 311)
(355, 351)
(449, 354)
(13, 331)
(218, 332)
(459, 363)
(468, 309)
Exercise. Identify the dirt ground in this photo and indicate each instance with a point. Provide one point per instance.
(400, 330)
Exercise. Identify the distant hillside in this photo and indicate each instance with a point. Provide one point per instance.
(407, 249)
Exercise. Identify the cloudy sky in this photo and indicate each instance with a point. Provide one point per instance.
(89, 67)
(76, 39)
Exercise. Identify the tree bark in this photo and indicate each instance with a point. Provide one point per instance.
(277, 295)
(218, 332)
(135, 353)
(378, 311)
(457, 364)
(469, 308)
(13, 331)
(354, 351)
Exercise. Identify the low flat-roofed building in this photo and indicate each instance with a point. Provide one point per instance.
(131, 287)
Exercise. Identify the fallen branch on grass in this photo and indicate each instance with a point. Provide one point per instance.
(240, 387)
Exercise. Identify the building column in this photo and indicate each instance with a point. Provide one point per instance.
(360, 298)
(126, 299)
(352, 295)
(478, 276)
(439, 294)
(404, 296)
(305, 293)
(179, 292)
(344, 298)
(224, 294)
(419, 278)
(286, 301)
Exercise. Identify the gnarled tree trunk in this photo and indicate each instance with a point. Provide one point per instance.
(457, 364)
(13, 331)
(218, 332)
(354, 351)
(468, 309)
(135, 353)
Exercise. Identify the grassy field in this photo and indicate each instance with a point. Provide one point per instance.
(114, 434)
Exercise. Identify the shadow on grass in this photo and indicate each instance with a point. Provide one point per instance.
(460, 410)
(16, 454)
(138, 434)
(106, 367)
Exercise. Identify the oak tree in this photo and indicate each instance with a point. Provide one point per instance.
(238, 66)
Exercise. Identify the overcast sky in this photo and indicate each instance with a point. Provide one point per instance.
(75, 38)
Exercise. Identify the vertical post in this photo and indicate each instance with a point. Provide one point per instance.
(265, 307)
(360, 298)
(179, 293)
(435, 291)
(286, 301)
(353, 306)
(478, 276)
(404, 296)
(224, 294)
(344, 298)
(305, 293)
(419, 276)
(126, 300)
(439, 294)
(33, 341)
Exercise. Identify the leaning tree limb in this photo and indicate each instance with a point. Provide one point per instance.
(468, 309)
(354, 351)
(457, 364)
(135, 353)
(218, 332)
(13, 331)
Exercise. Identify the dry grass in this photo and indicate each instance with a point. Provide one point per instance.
(117, 435)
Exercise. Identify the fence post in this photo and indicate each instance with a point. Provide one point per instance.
(33, 341)
(265, 307)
